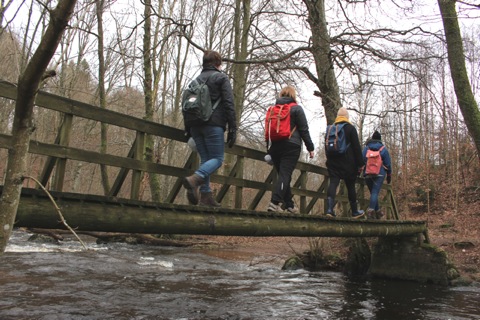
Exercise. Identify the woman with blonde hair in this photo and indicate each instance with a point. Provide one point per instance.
(285, 153)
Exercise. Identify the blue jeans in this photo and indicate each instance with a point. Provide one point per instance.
(374, 184)
(211, 147)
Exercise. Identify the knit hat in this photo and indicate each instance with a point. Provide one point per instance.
(376, 135)
(343, 112)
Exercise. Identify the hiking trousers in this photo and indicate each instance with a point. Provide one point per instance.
(285, 156)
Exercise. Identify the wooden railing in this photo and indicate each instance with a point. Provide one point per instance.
(309, 186)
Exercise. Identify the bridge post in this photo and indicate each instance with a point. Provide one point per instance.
(303, 186)
(64, 134)
(239, 189)
(137, 174)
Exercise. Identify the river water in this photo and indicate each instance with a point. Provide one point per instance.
(121, 281)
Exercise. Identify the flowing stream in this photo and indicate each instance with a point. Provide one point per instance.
(120, 281)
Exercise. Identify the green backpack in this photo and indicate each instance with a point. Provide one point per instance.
(196, 101)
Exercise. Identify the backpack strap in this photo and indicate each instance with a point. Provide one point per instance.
(379, 151)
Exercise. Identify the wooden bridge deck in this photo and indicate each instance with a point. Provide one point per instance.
(110, 214)
(236, 187)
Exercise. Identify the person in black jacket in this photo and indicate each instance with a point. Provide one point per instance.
(345, 166)
(209, 136)
(285, 153)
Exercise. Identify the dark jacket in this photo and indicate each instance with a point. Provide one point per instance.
(348, 165)
(386, 161)
(220, 88)
(298, 120)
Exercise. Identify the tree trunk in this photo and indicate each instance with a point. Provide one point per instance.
(321, 50)
(101, 94)
(22, 124)
(154, 181)
(456, 60)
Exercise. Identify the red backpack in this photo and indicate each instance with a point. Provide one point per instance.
(277, 122)
(374, 162)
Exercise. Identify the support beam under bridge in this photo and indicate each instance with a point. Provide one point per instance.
(108, 214)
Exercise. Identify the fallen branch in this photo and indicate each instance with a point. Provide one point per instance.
(58, 211)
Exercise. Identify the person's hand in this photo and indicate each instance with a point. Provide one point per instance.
(311, 154)
(389, 178)
(231, 137)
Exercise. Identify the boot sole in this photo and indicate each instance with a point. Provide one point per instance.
(359, 216)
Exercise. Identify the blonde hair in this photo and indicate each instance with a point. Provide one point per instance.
(289, 91)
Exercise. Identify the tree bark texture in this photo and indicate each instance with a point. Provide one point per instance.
(101, 92)
(321, 51)
(456, 60)
(28, 85)
(149, 97)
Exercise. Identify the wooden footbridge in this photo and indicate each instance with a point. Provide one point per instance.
(65, 159)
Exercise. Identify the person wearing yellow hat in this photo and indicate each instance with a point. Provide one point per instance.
(346, 166)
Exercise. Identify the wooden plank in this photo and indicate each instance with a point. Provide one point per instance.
(88, 111)
(64, 132)
(261, 192)
(122, 174)
(137, 174)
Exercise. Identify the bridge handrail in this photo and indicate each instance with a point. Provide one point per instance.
(61, 151)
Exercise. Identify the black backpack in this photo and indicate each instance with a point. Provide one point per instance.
(197, 103)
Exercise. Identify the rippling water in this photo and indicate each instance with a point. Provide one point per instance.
(119, 281)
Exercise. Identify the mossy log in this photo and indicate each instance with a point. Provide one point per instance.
(96, 213)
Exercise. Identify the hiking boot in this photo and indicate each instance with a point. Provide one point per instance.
(192, 184)
(293, 210)
(330, 206)
(371, 214)
(207, 199)
(274, 207)
(358, 214)
(379, 214)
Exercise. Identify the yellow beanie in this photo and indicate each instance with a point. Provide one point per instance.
(343, 112)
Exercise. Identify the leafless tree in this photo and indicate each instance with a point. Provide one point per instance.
(28, 85)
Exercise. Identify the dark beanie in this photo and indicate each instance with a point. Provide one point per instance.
(376, 135)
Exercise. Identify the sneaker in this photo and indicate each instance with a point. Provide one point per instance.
(371, 214)
(274, 207)
(293, 210)
(331, 214)
(358, 214)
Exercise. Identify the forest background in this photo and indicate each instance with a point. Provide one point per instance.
(388, 59)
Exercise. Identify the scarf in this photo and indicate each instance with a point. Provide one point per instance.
(342, 119)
